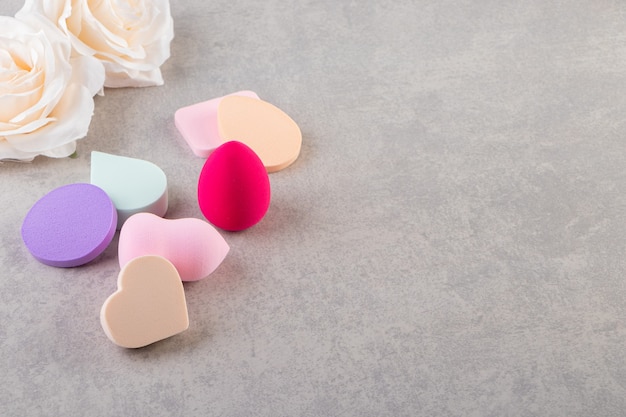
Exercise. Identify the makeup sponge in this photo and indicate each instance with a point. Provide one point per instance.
(193, 246)
(70, 225)
(233, 187)
(265, 128)
(197, 124)
(149, 304)
(134, 185)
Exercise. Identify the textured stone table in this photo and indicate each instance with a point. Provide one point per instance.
(450, 242)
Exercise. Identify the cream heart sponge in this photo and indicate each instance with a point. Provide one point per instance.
(192, 245)
(149, 304)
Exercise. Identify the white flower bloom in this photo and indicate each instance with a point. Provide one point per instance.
(46, 97)
(130, 37)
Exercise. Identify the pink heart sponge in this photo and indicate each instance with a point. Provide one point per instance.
(193, 246)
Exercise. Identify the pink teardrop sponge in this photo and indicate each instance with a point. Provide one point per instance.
(233, 188)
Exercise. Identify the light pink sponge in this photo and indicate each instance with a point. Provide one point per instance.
(192, 245)
(198, 124)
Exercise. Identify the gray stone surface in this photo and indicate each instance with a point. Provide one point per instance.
(450, 242)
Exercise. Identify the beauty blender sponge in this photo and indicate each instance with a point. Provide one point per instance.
(233, 187)
(134, 185)
(149, 304)
(269, 131)
(70, 225)
(197, 124)
(193, 246)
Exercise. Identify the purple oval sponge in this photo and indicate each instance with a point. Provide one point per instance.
(70, 225)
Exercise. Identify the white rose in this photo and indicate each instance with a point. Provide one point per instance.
(46, 97)
(130, 37)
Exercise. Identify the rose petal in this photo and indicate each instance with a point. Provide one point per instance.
(11, 103)
(8, 152)
(47, 101)
(73, 115)
(89, 72)
(95, 31)
(61, 151)
(130, 78)
(16, 129)
(53, 51)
